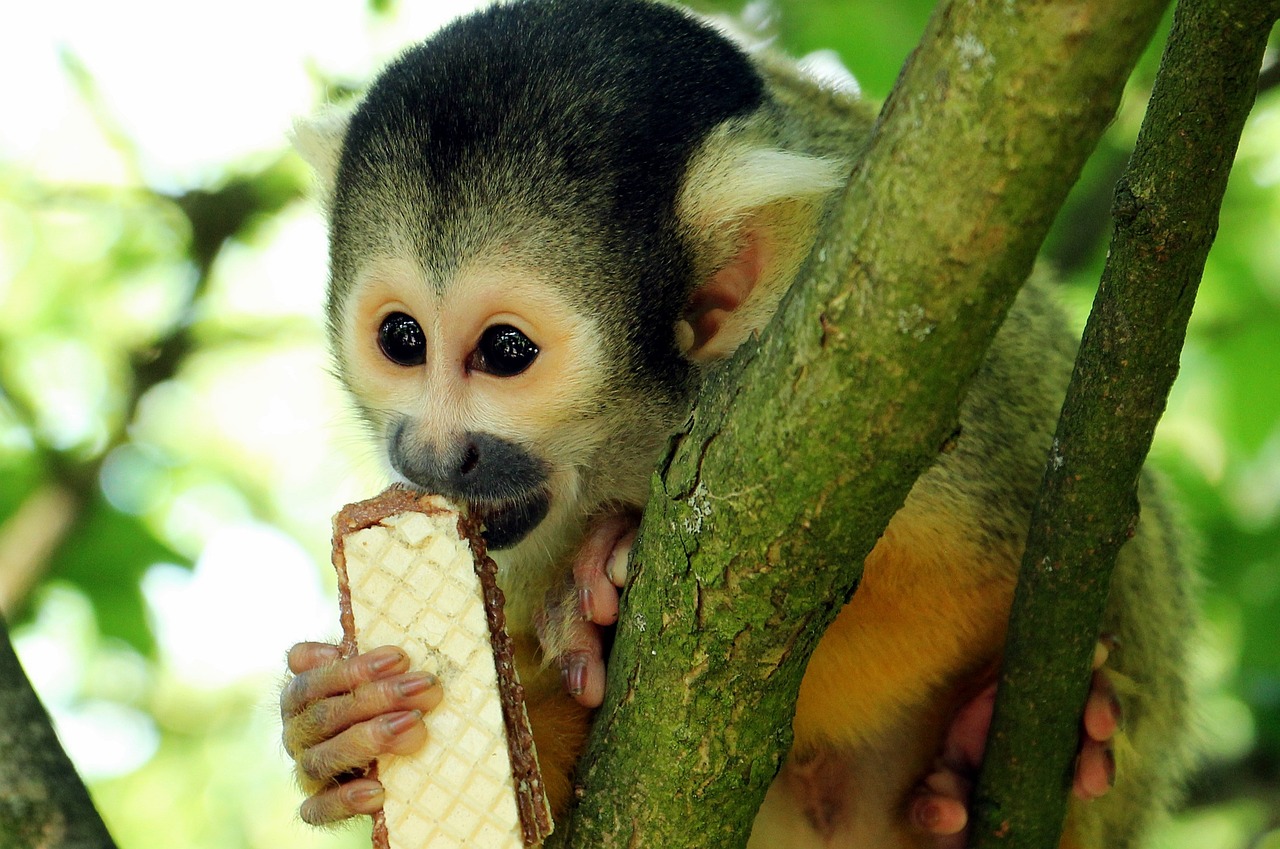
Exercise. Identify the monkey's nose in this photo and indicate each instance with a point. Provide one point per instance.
(470, 459)
(474, 467)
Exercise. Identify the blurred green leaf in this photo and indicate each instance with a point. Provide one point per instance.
(105, 555)
(21, 474)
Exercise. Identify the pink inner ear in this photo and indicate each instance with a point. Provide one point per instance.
(716, 300)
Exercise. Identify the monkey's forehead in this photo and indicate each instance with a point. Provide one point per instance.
(620, 89)
(492, 281)
(437, 243)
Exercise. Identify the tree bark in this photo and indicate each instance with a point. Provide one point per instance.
(803, 447)
(1166, 212)
(43, 803)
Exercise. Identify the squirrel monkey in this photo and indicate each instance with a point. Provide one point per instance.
(545, 221)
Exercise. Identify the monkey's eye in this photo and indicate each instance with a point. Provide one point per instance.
(503, 351)
(402, 341)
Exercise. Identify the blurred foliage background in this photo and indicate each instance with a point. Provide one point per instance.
(171, 444)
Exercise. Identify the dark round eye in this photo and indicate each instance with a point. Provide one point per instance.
(402, 341)
(503, 351)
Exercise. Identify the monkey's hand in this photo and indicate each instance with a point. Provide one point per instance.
(940, 806)
(573, 626)
(339, 715)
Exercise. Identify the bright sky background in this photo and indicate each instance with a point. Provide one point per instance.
(195, 85)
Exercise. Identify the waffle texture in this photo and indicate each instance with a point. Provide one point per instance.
(412, 582)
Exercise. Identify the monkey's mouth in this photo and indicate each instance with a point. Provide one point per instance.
(508, 522)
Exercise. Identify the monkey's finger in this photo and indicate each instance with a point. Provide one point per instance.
(966, 737)
(1103, 713)
(1111, 640)
(358, 746)
(597, 598)
(940, 807)
(608, 540)
(1095, 770)
(326, 718)
(620, 560)
(942, 816)
(304, 657)
(944, 783)
(342, 676)
(583, 674)
(1102, 651)
(359, 796)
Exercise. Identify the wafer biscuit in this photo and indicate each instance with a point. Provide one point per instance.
(413, 572)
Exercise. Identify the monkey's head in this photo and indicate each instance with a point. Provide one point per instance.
(542, 220)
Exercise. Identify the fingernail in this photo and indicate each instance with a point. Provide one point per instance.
(361, 795)
(586, 604)
(416, 684)
(399, 723)
(383, 662)
(574, 675)
(617, 570)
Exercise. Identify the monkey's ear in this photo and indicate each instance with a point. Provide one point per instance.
(318, 139)
(752, 212)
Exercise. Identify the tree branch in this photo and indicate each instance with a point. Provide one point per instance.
(1166, 212)
(804, 446)
(1270, 77)
(42, 801)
